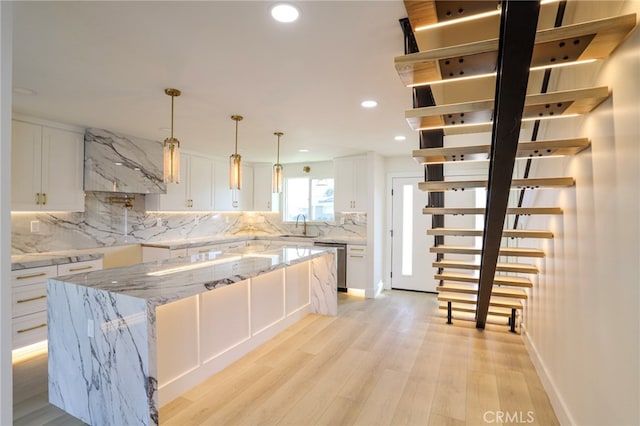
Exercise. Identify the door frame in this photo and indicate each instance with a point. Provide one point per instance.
(388, 246)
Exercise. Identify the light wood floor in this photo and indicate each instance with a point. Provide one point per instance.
(387, 361)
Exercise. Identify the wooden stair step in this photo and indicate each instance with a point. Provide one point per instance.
(515, 293)
(506, 233)
(493, 310)
(521, 268)
(478, 114)
(481, 152)
(480, 210)
(597, 39)
(472, 299)
(530, 183)
(505, 251)
(497, 280)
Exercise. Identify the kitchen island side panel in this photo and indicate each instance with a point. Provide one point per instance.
(99, 363)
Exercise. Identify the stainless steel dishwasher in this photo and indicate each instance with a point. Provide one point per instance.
(342, 262)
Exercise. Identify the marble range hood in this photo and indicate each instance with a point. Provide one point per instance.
(124, 164)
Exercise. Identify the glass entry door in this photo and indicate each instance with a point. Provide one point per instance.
(411, 262)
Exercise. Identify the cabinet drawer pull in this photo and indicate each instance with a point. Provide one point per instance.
(37, 198)
(83, 268)
(44, 198)
(356, 249)
(31, 299)
(32, 328)
(204, 251)
(24, 277)
(356, 255)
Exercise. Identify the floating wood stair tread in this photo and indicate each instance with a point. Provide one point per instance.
(466, 115)
(505, 251)
(493, 310)
(480, 210)
(497, 280)
(522, 268)
(515, 293)
(471, 299)
(507, 233)
(569, 43)
(530, 183)
(481, 152)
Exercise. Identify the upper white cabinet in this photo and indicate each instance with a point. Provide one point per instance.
(47, 165)
(194, 192)
(263, 197)
(350, 184)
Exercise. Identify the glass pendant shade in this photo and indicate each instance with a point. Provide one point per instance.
(171, 148)
(171, 160)
(235, 161)
(277, 178)
(276, 183)
(235, 171)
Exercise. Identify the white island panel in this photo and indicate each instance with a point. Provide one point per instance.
(177, 337)
(224, 319)
(267, 300)
(297, 287)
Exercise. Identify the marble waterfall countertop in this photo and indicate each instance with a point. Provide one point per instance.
(164, 281)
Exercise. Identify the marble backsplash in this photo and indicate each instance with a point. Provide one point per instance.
(103, 225)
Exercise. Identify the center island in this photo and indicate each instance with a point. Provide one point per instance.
(125, 341)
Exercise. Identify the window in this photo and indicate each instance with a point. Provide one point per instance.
(312, 197)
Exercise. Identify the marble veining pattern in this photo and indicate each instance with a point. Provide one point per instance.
(118, 163)
(106, 225)
(92, 335)
(324, 291)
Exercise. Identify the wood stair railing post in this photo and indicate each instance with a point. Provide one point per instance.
(517, 36)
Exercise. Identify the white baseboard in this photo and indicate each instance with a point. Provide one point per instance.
(557, 402)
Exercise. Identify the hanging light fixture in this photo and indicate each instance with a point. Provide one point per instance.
(235, 169)
(172, 148)
(277, 169)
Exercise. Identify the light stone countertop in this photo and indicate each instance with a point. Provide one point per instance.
(165, 281)
(35, 260)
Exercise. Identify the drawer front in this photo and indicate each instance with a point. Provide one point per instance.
(29, 299)
(79, 267)
(33, 275)
(29, 329)
(356, 251)
(204, 249)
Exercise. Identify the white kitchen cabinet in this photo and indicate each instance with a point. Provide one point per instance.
(356, 266)
(194, 192)
(29, 299)
(226, 199)
(350, 184)
(47, 165)
(263, 197)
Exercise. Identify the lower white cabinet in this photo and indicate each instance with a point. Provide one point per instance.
(29, 299)
(356, 266)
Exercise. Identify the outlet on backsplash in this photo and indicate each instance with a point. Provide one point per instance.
(159, 221)
(35, 226)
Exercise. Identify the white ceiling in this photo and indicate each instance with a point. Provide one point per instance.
(106, 65)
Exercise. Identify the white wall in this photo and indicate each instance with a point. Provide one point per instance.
(6, 383)
(582, 320)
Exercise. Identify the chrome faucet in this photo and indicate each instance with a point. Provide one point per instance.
(304, 220)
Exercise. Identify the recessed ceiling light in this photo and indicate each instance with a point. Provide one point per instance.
(369, 103)
(285, 12)
(24, 91)
(303, 150)
(400, 138)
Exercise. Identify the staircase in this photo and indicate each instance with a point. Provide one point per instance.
(442, 70)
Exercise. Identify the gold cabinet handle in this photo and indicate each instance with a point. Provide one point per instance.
(83, 268)
(205, 251)
(24, 277)
(358, 256)
(32, 328)
(31, 299)
(44, 198)
(37, 198)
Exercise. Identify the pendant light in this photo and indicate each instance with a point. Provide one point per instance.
(235, 169)
(172, 148)
(277, 170)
